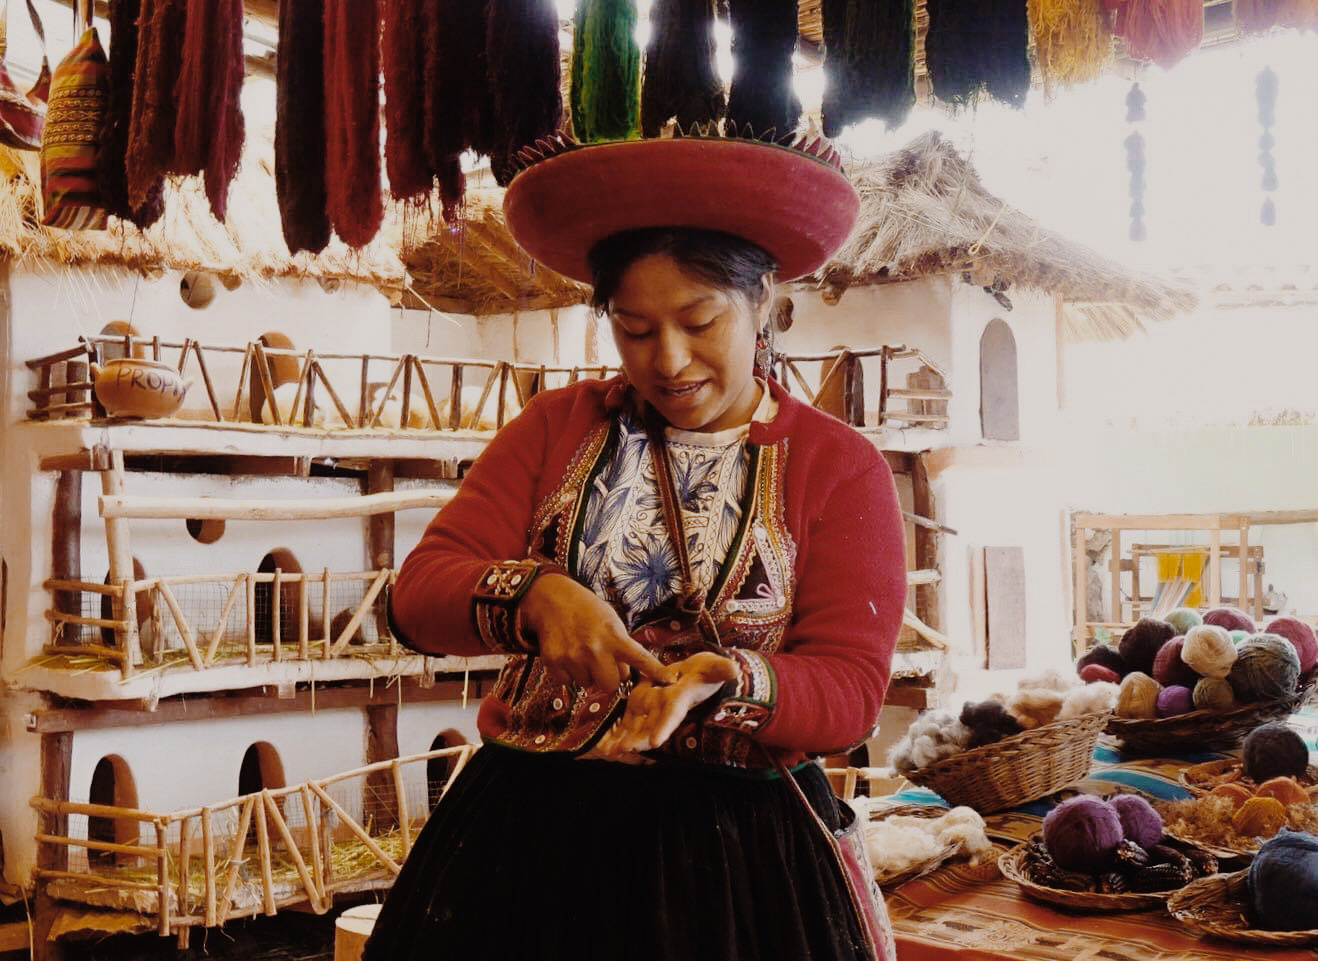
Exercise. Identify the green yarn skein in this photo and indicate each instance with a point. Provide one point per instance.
(606, 72)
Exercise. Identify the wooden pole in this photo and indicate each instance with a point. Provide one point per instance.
(380, 529)
(426, 392)
(1114, 570)
(223, 622)
(275, 605)
(121, 562)
(267, 386)
(120, 507)
(455, 399)
(162, 873)
(206, 380)
(66, 539)
(56, 766)
(405, 414)
(184, 862)
(926, 542)
(184, 628)
(303, 620)
(251, 621)
(263, 851)
(1243, 552)
(325, 612)
(1079, 591)
(334, 396)
(380, 805)
(345, 636)
(1214, 566)
(365, 398)
(236, 857)
(357, 829)
(208, 852)
(242, 385)
(404, 820)
(313, 893)
(313, 835)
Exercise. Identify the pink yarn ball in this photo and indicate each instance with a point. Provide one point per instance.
(1140, 822)
(1231, 618)
(1082, 833)
(1092, 673)
(1301, 635)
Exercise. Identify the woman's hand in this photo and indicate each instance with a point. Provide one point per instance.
(580, 637)
(654, 712)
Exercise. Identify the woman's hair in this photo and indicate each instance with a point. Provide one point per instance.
(725, 261)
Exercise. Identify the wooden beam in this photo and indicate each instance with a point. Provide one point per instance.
(904, 694)
(66, 539)
(380, 804)
(926, 542)
(60, 721)
(56, 771)
(122, 506)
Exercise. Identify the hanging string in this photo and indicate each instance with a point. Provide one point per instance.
(681, 79)
(1072, 42)
(973, 46)
(1164, 31)
(871, 62)
(1265, 91)
(606, 72)
(1134, 144)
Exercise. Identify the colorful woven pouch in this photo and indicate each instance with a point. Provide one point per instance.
(23, 115)
(74, 119)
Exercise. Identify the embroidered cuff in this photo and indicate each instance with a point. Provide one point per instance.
(495, 603)
(749, 707)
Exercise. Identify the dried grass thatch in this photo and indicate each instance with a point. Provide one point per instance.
(924, 212)
(249, 244)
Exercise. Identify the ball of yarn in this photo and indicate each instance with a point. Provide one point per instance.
(1104, 654)
(1287, 790)
(1301, 635)
(1097, 698)
(1093, 673)
(1214, 694)
(1208, 651)
(1237, 636)
(1183, 618)
(1237, 794)
(1169, 668)
(1139, 821)
(1274, 750)
(1176, 699)
(1082, 833)
(1259, 817)
(988, 721)
(1138, 696)
(1139, 645)
(1266, 669)
(1230, 618)
(1283, 883)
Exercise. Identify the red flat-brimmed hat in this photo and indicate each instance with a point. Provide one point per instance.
(793, 201)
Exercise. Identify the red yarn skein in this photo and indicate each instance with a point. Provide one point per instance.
(1163, 31)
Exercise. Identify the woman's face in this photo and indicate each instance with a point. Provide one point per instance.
(687, 347)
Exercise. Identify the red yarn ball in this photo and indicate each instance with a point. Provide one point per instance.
(1169, 669)
(1092, 673)
(1082, 833)
(1301, 635)
(1231, 618)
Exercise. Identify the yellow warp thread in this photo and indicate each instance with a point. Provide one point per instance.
(1072, 41)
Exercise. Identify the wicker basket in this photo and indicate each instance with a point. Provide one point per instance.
(894, 878)
(1012, 865)
(1218, 906)
(1204, 730)
(1020, 768)
(1197, 778)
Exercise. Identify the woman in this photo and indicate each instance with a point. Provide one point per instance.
(626, 803)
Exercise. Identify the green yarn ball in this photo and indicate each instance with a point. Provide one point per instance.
(1183, 618)
(1214, 694)
(1266, 669)
(1238, 636)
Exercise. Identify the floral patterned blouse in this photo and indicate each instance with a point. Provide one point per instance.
(626, 555)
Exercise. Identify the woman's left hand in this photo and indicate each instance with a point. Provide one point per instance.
(655, 711)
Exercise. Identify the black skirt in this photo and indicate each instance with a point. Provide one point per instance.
(541, 857)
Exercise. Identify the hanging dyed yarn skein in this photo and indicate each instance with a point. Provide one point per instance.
(973, 46)
(1265, 90)
(1134, 144)
(871, 62)
(1164, 31)
(606, 72)
(681, 79)
(1072, 42)
(762, 101)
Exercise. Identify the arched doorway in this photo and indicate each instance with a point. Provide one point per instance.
(261, 769)
(999, 390)
(290, 600)
(440, 769)
(113, 786)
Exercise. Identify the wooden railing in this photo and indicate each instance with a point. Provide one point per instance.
(846, 389)
(247, 855)
(291, 388)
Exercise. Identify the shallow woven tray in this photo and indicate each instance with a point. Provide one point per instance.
(1217, 906)
(1204, 730)
(894, 878)
(1020, 768)
(1196, 776)
(1243, 847)
(1012, 865)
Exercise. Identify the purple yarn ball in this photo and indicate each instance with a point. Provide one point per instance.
(1082, 833)
(1175, 700)
(1169, 669)
(1301, 635)
(1232, 618)
(1140, 645)
(1092, 673)
(1103, 654)
(1140, 822)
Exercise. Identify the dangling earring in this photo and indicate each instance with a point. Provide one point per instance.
(764, 353)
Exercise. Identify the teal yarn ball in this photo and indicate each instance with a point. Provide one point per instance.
(1183, 618)
(1238, 636)
(1214, 694)
(1266, 669)
(1283, 883)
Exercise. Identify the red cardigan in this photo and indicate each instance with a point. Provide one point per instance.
(827, 544)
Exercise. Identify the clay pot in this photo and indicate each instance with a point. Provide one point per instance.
(129, 387)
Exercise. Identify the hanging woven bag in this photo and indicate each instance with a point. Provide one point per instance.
(79, 96)
(22, 116)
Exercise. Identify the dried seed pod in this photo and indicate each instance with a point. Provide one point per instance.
(1161, 877)
(1203, 863)
(1052, 876)
(1130, 854)
(1166, 854)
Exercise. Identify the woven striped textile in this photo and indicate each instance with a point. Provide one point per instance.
(78, 97)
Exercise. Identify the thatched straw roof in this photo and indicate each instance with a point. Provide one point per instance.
(924, 212)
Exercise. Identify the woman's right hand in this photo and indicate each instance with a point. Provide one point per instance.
(581, 638)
